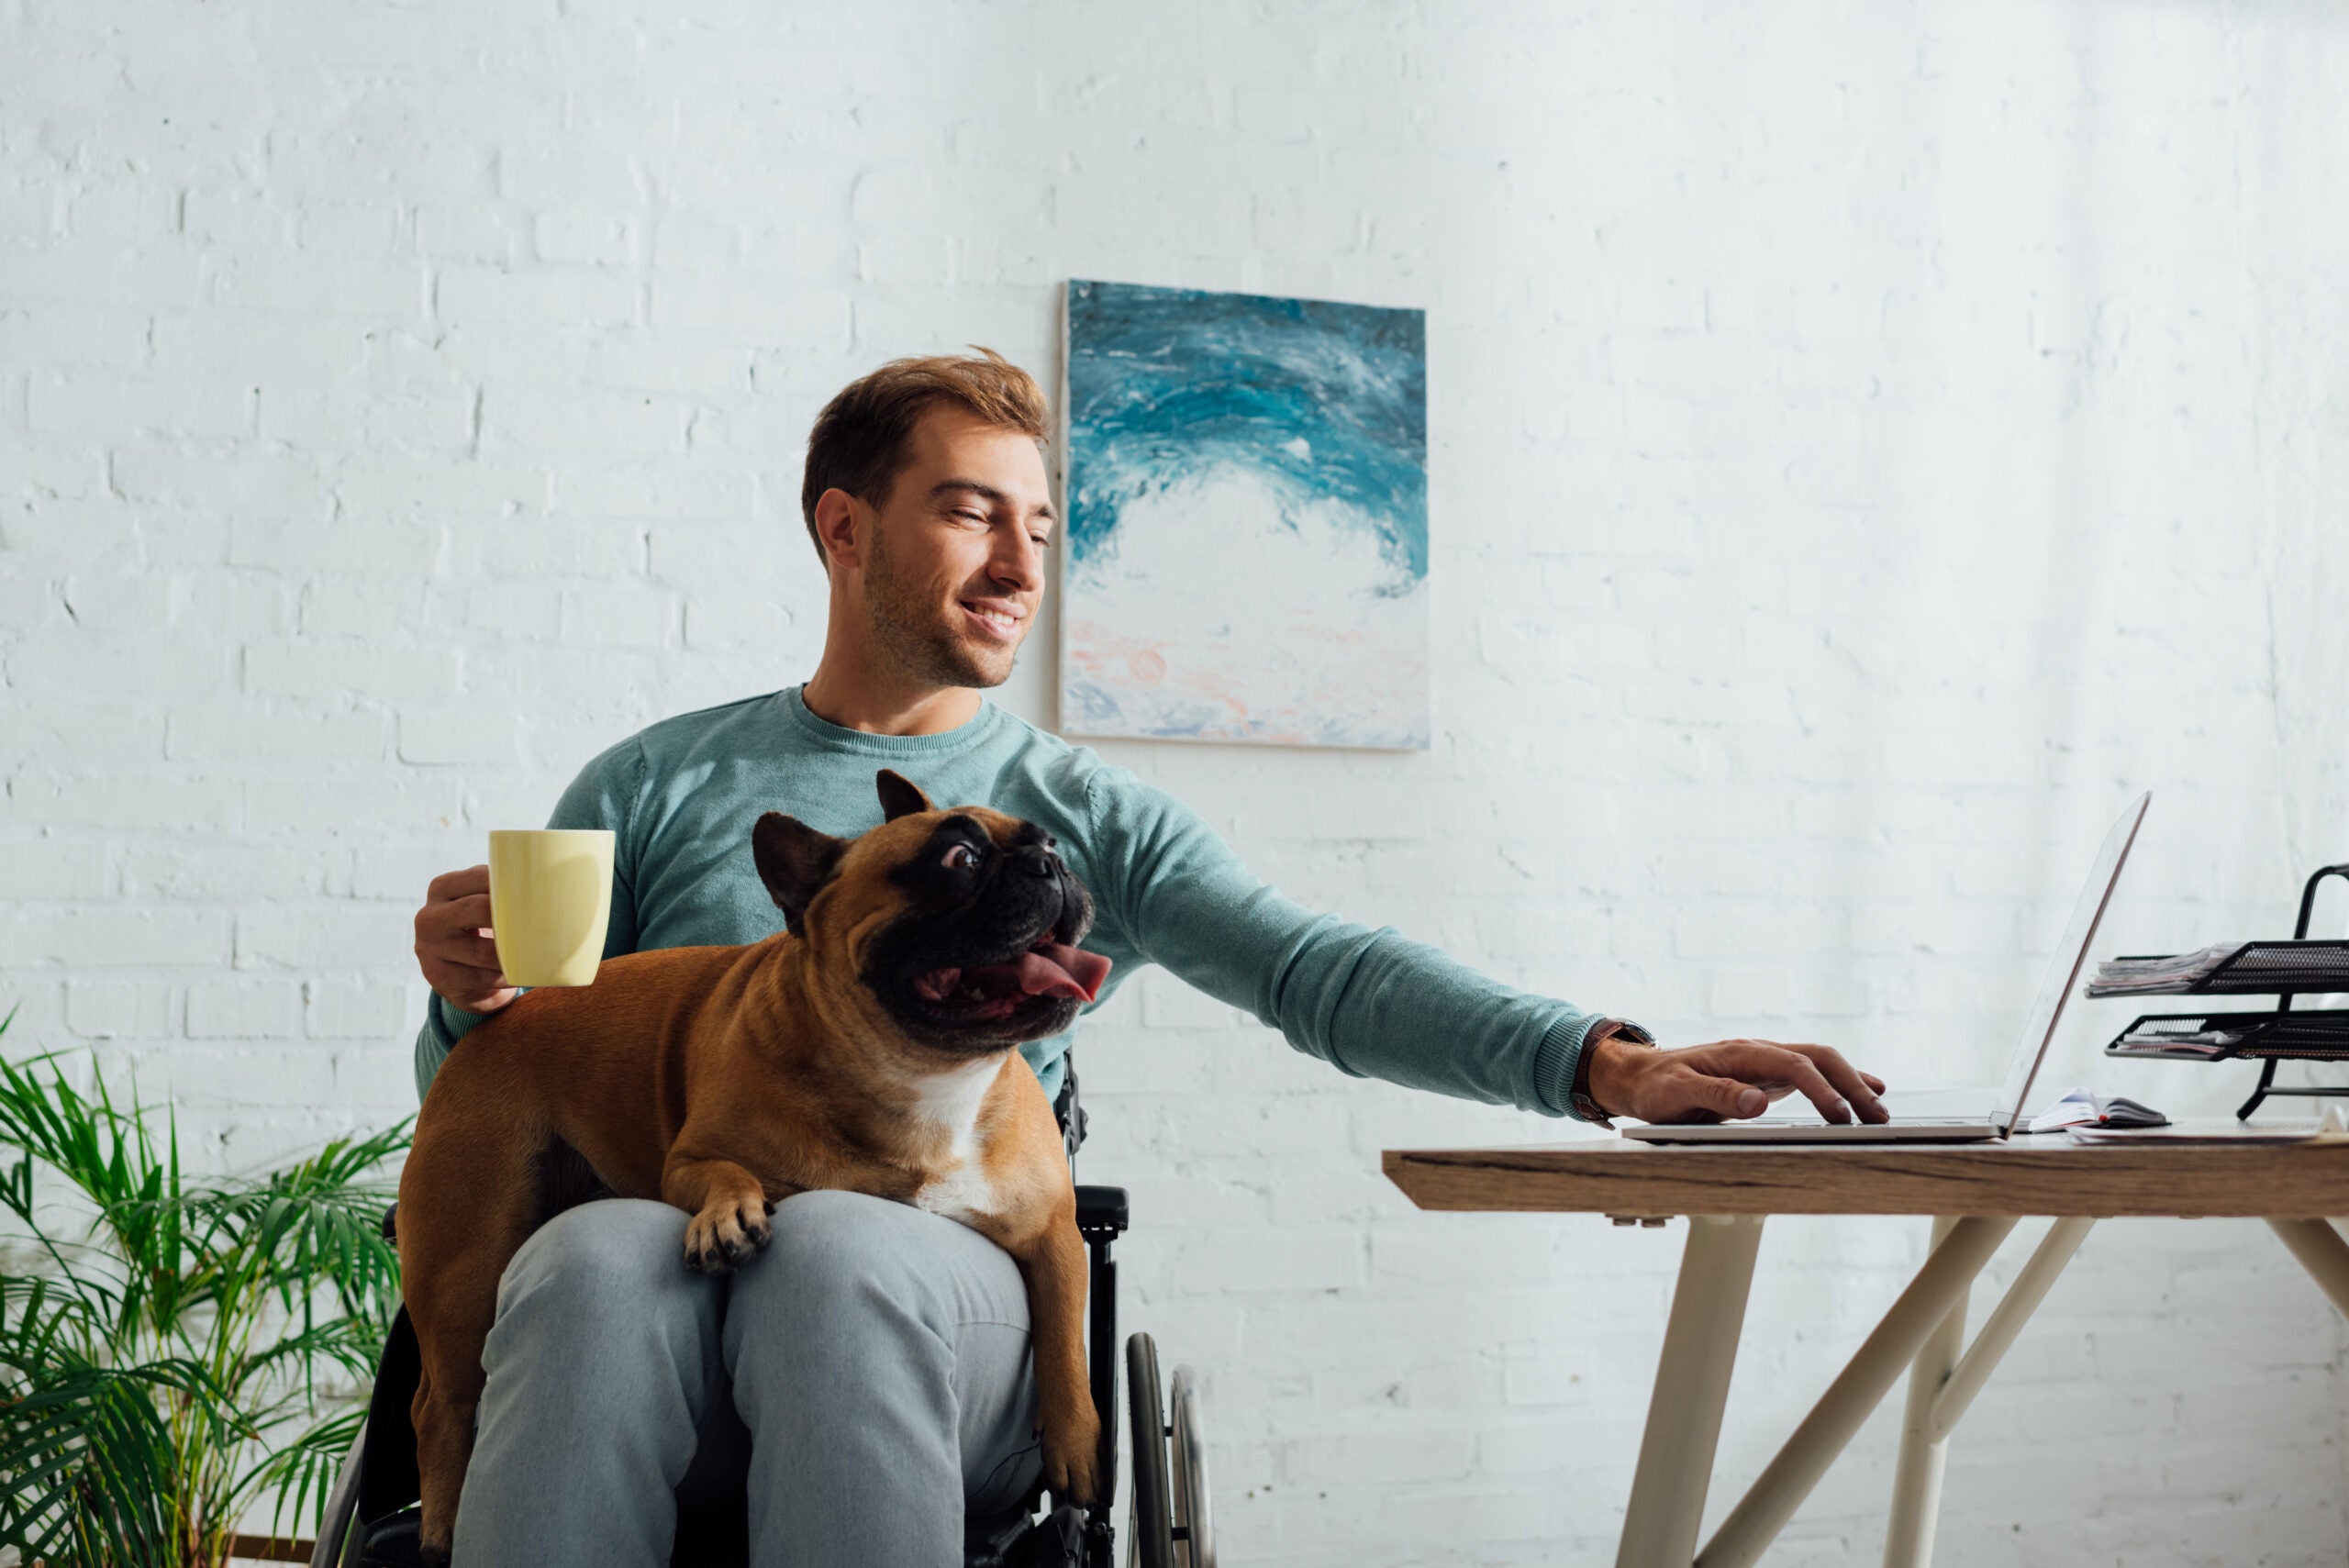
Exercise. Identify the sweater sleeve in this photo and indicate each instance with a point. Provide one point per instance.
(603, 795)
(1370, 1003)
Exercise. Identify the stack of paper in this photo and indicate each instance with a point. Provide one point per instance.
(2170, 1034)
(2155, 976)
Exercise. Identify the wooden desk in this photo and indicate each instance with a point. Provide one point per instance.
(1977, 1192)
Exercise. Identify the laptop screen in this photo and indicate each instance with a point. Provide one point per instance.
(2063, 968)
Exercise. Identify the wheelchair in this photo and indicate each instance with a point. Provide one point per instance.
(372, 1517)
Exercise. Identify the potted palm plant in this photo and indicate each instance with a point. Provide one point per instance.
(176, 1350)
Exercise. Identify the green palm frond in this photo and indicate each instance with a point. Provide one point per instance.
(353, 1344)
(159, 1367)
(87, 1453)
(108, 1154)
(301, 1472)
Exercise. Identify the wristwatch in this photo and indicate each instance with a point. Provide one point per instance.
(1605, 1028)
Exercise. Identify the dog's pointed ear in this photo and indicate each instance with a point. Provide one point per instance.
(794, 861)
(900, 797)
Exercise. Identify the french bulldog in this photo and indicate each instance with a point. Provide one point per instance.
(869, 1046)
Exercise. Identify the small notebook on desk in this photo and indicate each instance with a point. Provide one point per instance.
(2080, 1107)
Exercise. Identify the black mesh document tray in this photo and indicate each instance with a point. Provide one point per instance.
(2281, 969)
(2223, 1036)
(2268, 969)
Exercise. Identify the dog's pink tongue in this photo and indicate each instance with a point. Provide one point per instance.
(1056, 969)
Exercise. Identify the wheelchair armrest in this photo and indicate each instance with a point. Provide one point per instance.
(1101, 1212)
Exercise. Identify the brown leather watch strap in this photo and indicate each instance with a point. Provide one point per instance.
(1589, 1109)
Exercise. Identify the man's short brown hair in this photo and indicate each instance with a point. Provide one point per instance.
(860, 440)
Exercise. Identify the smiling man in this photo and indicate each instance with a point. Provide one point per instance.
(865, 1383)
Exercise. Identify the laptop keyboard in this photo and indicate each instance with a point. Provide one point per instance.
(1894, 1121)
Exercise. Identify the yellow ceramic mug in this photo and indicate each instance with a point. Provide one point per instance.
(550, 899)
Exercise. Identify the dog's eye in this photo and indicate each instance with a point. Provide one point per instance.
(960, 857)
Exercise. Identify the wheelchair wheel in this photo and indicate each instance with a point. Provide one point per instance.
(337, 1524)
(1193, 1529)
(1169, 1524)
(1149, 1526)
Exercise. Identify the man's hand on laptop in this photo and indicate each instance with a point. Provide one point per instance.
(454, 945)
(1728, 1079)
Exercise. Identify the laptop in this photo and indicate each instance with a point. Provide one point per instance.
(2003, 1112)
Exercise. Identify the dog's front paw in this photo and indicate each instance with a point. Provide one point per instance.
(726, 1234)
(1072, 1456)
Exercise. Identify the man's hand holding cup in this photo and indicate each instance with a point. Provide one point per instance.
(535, 914)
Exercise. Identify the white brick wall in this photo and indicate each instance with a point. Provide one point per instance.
(1865, 444)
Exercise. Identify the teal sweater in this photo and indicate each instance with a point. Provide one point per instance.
(682, 794)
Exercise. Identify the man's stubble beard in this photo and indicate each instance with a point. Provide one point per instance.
(905, 624)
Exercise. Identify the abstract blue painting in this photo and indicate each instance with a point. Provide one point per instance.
(1247, 538)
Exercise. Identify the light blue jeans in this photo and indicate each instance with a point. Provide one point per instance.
(866, 1377)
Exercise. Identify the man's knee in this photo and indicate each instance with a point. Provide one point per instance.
(603, 1361)
(614, 1266)
(828, 1246)
(830, 1234)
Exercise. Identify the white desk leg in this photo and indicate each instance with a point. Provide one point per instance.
(1691, 1385)
(2005, 1320)
(1787, 1480)
(2321, 1252)
(1917, 1484)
